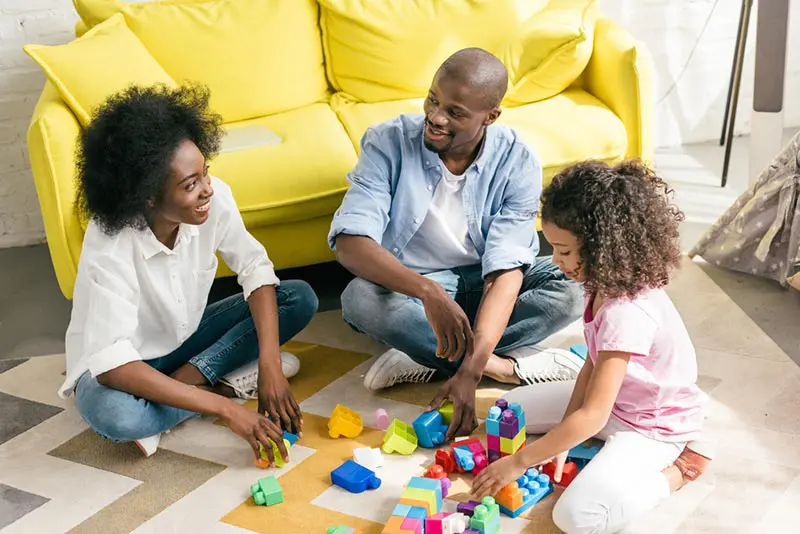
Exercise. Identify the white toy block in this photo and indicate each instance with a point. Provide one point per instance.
(368, 457)
(455, 523)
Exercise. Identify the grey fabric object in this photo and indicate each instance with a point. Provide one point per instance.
(760, 233)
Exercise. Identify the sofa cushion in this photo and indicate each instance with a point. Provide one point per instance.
(103, 61)
(93, 12)
(378, 50)
(550, 50)
(257, 57)
(563, 130)
(300, 178)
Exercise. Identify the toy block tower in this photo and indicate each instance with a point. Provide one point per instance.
(421, 499)
(505, 429)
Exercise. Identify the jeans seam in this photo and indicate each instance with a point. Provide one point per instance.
(206, 369)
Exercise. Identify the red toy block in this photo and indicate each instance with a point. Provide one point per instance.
(567, 475)
(445, 459)
(435, 471)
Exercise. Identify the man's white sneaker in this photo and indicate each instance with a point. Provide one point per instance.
(534, 365)
(395, 367)
(148, 445)
(244, 381)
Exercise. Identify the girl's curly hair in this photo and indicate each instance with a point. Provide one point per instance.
(124, 154)
(623, 219)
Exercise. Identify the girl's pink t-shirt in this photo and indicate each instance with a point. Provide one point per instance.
(659, 396)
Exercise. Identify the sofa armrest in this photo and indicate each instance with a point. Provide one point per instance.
(620, 73)
(52, 140)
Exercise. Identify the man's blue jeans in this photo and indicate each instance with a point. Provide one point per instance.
(224, 341)
(548, 301)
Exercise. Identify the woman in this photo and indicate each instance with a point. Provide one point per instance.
(144, 352)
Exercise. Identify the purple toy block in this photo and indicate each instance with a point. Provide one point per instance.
(467, 508)
(502, 404)
(494, 456)
(446, 484)
(471, 531)
(509, 425)
(492, 442)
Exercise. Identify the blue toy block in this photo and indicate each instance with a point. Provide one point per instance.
(291, 438)
(464, 459)
(401, 510)
(493, 421)
(430, 429)
(418, 512)
(581, 351)
(535, 486)
(428, 484)
(581, 454)
(354, 478)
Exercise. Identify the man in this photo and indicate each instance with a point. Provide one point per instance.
(438, 225)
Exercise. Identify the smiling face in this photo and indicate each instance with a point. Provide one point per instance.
(566, 250)
(187, 192)
(455, 115)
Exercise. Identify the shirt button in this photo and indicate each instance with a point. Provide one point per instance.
(416, 220)
(427, 162)
(394, 250)
(430, 187)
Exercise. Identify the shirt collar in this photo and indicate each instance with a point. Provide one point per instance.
(150, 245)
(431, 159)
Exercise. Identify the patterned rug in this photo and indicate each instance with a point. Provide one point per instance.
(57, 476)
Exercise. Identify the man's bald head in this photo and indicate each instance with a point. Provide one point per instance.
(479, 70)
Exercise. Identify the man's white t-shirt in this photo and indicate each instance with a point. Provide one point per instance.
(442, 241)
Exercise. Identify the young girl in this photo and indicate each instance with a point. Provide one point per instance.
(144, 350)
(613, 229)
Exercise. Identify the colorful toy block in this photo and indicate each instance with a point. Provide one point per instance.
(445, 459)
(344, 422)
(368, 457)
(288, 436)
(582, 454)
(568, 474)
(580, 351)
(401, 525)
(467, 508)
(486, 518)
(354, 478)
(430, 429)
(446, 409)
(263, 462)
(464, 460)
(435, 471)
(267, 491)
(505, 430)
(381, 419)
(421, 499)
(399, 438)
(471, 531)
(446, 523)
(446, 485)
(526, 491)
(476, 448)
(341, 529)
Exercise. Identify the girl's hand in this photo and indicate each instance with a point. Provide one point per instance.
(497, 476)
(559, 460)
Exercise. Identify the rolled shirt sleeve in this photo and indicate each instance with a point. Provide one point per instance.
(242, 252)
(511, 241)
(113, 307)
(365, 207)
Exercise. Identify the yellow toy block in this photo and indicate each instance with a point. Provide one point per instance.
(446, 409)
(510, 446)
(400, 438)
(344, 422)
(276, 453)
(420, 497)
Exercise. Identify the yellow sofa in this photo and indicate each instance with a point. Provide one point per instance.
(339, 66)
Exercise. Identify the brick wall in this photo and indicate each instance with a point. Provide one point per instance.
(691, 41)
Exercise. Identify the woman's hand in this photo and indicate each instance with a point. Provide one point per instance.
(276, 401)
(497, 476)
(256, 430)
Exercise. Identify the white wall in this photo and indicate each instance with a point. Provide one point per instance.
(692, 44)
(692, 64)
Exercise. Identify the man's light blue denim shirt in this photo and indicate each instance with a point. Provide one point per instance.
(392, 185)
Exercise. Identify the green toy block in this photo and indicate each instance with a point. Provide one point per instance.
(267, 491)
(486, 518)
(399, 437)
(446, 409)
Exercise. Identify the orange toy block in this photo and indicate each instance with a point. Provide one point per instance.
(567, 475)
(510, 497)
(344, 422)
(394, 525)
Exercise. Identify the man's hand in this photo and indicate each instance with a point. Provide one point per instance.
(454, 336)
(275, 400)
(256, 430)
(459, 389)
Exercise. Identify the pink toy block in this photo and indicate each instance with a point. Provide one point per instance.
(381, 419)
(480, 463)
(492, 442)
(412, 524)
(433, 524)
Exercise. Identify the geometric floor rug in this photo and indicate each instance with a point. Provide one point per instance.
(57, 476)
